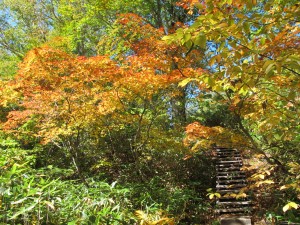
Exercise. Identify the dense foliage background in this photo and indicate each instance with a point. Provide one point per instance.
(110, 109)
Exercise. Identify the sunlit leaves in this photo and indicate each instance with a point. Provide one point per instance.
(254, 58)
(184, 82)
(214, 195)
(290, 205)
(68, 94)
(150, 219)
(239, 195)
(201, 137)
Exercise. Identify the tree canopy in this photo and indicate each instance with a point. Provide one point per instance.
(137, 93)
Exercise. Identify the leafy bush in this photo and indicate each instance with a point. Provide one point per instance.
(29, 196)
(37, 196)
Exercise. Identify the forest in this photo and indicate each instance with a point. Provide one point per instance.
(111, 109)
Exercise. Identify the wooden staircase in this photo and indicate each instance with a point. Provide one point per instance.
(230, 180)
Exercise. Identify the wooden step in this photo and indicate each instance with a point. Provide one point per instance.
(226, 150)
(238, 164)
(237, 167)
(229, 191)
(231, 173)
(230, 177)
(230, 186)
(237, 181)
(229, 162)
(239, 203)
(228, 153)
(225, 198)
(228, 158)
(231, 169)
(233, 210)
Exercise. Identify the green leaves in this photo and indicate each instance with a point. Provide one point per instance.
(200, 40)
(30, 197)
(23, 211)
(268, 66)
(184, 37)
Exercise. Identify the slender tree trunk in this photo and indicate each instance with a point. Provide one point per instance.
(178, 105)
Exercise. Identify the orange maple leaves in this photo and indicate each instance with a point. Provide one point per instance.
(66, 93)
(202, 137)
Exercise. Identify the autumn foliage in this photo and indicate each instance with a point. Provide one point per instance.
(147, 94)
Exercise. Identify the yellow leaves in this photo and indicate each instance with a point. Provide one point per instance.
(214, 195)
(8, 93)
(264, 170)
(153, 219)
(210, 81)
(222, 25)
(200, 144)
(260, 183)
(239, 195)
(259, 156)
(286, 186)
(294, 168)
(184, 82)
(268, 66)
(214, 59)
(290, 205)
(260, 176)
(240, 16)
(254, 2)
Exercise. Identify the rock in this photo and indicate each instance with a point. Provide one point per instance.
(236, 221)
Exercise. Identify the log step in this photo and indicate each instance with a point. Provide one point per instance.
(229, 191)
(220, 154)
(230, 165)
(229, 162)
(231, 177)
(228, 154)
(241, 181)
(231, 173)
(235, 203)
(230, 180)
(233, 168)
(233, 210)
(225, 149)
(231, 186)
(226, 158)
(225, 198)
